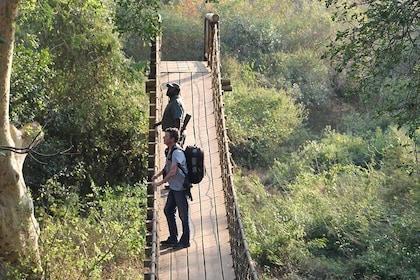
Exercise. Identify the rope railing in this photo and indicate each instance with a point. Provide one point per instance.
(243, 263)
(152, 239)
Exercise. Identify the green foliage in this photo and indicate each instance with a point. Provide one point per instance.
(105, 242)
(344, 205)
(335, 149)
(32, 72)
(71, 76)
(272, 239)
(182, 37)
(138, 17)
(304, 69)
(259, 121)
(275, 26)
(248, 37)
(283, 39)
(93, 99)
(378, 46)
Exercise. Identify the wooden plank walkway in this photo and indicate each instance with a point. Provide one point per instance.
(209, 256)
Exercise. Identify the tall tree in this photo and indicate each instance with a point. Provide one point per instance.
(379, 47)
(18, 227)
(87, 59)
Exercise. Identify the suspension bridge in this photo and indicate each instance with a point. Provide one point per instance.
(218, 248)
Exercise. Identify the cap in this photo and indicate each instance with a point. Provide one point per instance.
(173, 85)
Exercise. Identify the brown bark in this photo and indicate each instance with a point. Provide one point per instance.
(18, 227)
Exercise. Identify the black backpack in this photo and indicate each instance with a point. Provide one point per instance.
(195, 163)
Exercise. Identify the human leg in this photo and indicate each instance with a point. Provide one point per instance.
(182, 204)
(169, 210)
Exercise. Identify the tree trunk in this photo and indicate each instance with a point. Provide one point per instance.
(18, 228)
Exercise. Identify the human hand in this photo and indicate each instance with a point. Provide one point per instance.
(155, 184)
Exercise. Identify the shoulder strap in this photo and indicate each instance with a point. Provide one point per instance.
(171, 152)
(170, 158)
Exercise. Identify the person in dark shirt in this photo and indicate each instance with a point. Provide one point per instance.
(174, 113)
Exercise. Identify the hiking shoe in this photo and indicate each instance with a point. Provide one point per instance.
(181, 246)
(168, 243)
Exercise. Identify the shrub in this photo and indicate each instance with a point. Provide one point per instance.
(275, 26)
(338, 219)
(101, 238)
(182, 37)
(304, 69)
(259, 120)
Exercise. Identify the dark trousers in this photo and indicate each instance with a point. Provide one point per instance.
(177, 199)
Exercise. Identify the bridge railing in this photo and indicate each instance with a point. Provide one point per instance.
(243, 263)
(151, 261)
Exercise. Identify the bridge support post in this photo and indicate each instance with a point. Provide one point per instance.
(209, 22)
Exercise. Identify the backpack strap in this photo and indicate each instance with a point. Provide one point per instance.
(187, 190)
(175, 147)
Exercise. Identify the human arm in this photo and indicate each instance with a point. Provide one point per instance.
(157, 175)
(170, 174)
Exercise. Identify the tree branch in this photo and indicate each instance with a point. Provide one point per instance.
(30, 149)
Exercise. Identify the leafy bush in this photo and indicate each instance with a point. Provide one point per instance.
(259, 120)
(274, 241)
(182, 37)
(303, 68)
(335, 149)
(32, 72)
(275, 26)
(338, 219)
(100, 239)
(84, 92)
(248, 37)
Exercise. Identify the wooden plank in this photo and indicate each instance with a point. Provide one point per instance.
(209, 255)
(184, 66)
(210, 232)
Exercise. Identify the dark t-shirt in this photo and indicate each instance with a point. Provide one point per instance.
(173, 111)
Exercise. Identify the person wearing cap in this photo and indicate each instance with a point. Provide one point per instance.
(174, 113)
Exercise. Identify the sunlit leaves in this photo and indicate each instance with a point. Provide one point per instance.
(100, 238)
(259, 121)
(29, 93)
(378, 47)
(72, 75)
(328, 216)
(139, 17)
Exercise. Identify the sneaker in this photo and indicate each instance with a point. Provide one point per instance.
(181, 246)
(168, 243)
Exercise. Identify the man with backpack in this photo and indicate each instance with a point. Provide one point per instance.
(174, 113)
(175, 172)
